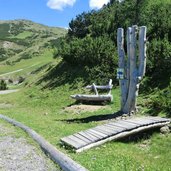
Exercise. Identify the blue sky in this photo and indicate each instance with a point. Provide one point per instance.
(48, 12)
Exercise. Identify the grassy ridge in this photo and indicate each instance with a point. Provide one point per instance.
(23, 39)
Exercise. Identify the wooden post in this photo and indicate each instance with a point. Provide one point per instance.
(134, 66)
(121, 52)
(95, 89)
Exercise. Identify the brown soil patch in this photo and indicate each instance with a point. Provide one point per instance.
(84, 108)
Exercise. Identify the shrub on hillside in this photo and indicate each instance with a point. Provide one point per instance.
(3, 85)
(162, 101)
(159, 62)
(96, 55)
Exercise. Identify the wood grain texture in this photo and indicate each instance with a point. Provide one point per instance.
(112, 130)
(121, 54)
(133, 64)
(97, 97)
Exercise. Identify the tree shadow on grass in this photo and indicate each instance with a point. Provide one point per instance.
(93, 118)
(62, 74)
(138, 137)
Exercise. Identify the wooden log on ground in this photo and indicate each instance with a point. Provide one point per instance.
(66, 163)
(93, 98)
(101, 87)
(96, 98)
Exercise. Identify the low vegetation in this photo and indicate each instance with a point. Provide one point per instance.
(23, 39)
(44, 108)
(88, 54)
(3, 85)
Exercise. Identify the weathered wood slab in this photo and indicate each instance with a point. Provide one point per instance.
(113, 130)
(96, 98)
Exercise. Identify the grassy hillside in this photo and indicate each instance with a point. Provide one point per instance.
(23, 39)
(24, 46)
(43, 100)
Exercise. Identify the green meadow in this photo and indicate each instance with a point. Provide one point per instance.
(41, 103)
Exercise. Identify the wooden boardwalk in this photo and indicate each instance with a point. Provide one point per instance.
(111, 131)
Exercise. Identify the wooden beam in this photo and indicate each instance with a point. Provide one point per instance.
(66, 163)
(96, 98)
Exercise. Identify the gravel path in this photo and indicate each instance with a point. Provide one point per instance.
(11, 72)
(16, 154)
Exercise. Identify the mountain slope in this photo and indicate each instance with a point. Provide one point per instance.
(23, 39)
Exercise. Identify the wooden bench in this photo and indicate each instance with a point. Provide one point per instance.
(97, 97)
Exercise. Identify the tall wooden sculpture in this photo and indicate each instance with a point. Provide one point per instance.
(131, 66)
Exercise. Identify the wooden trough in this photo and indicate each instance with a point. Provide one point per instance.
(111, 131)
(97, 97)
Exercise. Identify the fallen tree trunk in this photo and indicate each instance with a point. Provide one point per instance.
(95, 98)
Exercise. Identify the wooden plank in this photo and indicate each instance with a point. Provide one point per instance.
(148, 120)
(122, 135)
(151, 120)
(99, 133)
(88, 136)
(154, 120)
(141, 121)
(107, 133)
(114, 128)
(105, 128)
(138, 122)
(118, 128)
(70, 142)
(79, 141)
(109, 128)
(159, 119)
(128, 125)
(119, 125)
(128, 121)
(82, 138)
(93, 134)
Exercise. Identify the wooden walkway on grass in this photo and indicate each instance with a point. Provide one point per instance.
(111, 131)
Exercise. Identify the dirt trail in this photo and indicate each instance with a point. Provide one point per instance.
(11, 72)
(8, 91)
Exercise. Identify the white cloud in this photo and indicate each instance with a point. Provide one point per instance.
(60, 4)
(97, 3)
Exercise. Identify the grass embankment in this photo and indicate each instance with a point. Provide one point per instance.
(41, 106)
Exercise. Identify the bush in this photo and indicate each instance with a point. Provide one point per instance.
(162, 101)
(3, 85)
(96, 55)
(159, 62)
